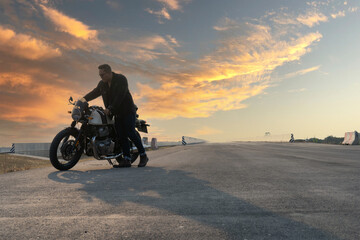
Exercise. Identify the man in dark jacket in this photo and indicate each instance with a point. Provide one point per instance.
(118, 101)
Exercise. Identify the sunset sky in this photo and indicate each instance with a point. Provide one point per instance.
(218, 70)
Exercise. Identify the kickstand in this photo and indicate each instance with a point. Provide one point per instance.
(110, 162)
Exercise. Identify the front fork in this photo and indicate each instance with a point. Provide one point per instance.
(77, 140)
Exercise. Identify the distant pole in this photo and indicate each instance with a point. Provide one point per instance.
(183, 140)
(12, 150)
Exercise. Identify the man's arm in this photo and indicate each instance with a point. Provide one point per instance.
(93, 94)
(121, 91)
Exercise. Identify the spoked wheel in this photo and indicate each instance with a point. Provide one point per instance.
(134, 156)
(64, 151)
(134, 153)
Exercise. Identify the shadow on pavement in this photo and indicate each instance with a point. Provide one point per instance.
(184, 195)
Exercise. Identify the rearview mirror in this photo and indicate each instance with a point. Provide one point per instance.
(71, 101)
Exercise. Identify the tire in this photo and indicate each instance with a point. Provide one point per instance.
(134, 155)
(62, 164)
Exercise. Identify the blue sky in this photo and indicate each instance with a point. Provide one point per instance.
(222, 71)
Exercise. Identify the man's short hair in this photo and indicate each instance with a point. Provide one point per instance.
(105, 67)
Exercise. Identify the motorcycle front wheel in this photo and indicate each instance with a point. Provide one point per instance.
(64, 151)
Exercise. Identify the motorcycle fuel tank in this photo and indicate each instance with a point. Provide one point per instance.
(98, 117)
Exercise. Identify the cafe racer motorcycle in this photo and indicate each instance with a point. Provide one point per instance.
(95, 137)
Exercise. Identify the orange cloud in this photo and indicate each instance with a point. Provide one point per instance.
(33, 102)
(69, 25)
(311, 17)
(238, 69)
(172, 101)
(172, 4)
(25, 46)
(252, 48)
(161, 13)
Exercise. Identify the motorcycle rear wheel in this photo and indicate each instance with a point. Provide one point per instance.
(133, 154)
(63, 154)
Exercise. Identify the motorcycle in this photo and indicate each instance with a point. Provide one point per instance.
(95, 137)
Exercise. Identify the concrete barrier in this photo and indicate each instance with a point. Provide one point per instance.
(169, 143)
(154, 144)
(5, 150)
(34, 149)
(351, 138)
(190, 140)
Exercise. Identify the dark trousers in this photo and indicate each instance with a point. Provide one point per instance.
(125, 129)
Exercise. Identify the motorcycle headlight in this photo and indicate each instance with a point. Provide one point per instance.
(76, 113)
(78, 110)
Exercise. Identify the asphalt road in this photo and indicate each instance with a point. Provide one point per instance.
(209, 191)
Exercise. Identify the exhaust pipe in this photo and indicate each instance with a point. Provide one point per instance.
(96, 155)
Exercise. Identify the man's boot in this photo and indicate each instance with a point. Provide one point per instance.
(123, 162)
(143, 160)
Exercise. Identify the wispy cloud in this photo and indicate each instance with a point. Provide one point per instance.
(301, 72)
(238, 66)
(25, 46)
(171, 4)
(163, 13)
(70, 33)
(69, 25)
(312, 18)
(317, 12)
(114, 4)
(236, 70)
(168, 5)
(144, 48)
(198, 100)
(353, 9)
(338, 14)
(225, 24)
(297, 90)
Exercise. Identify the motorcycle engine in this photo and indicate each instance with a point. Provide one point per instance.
(105, 147)
(103, 143)
(103, 131)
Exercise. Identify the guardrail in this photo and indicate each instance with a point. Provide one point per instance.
(8, 149)
(42, 149)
